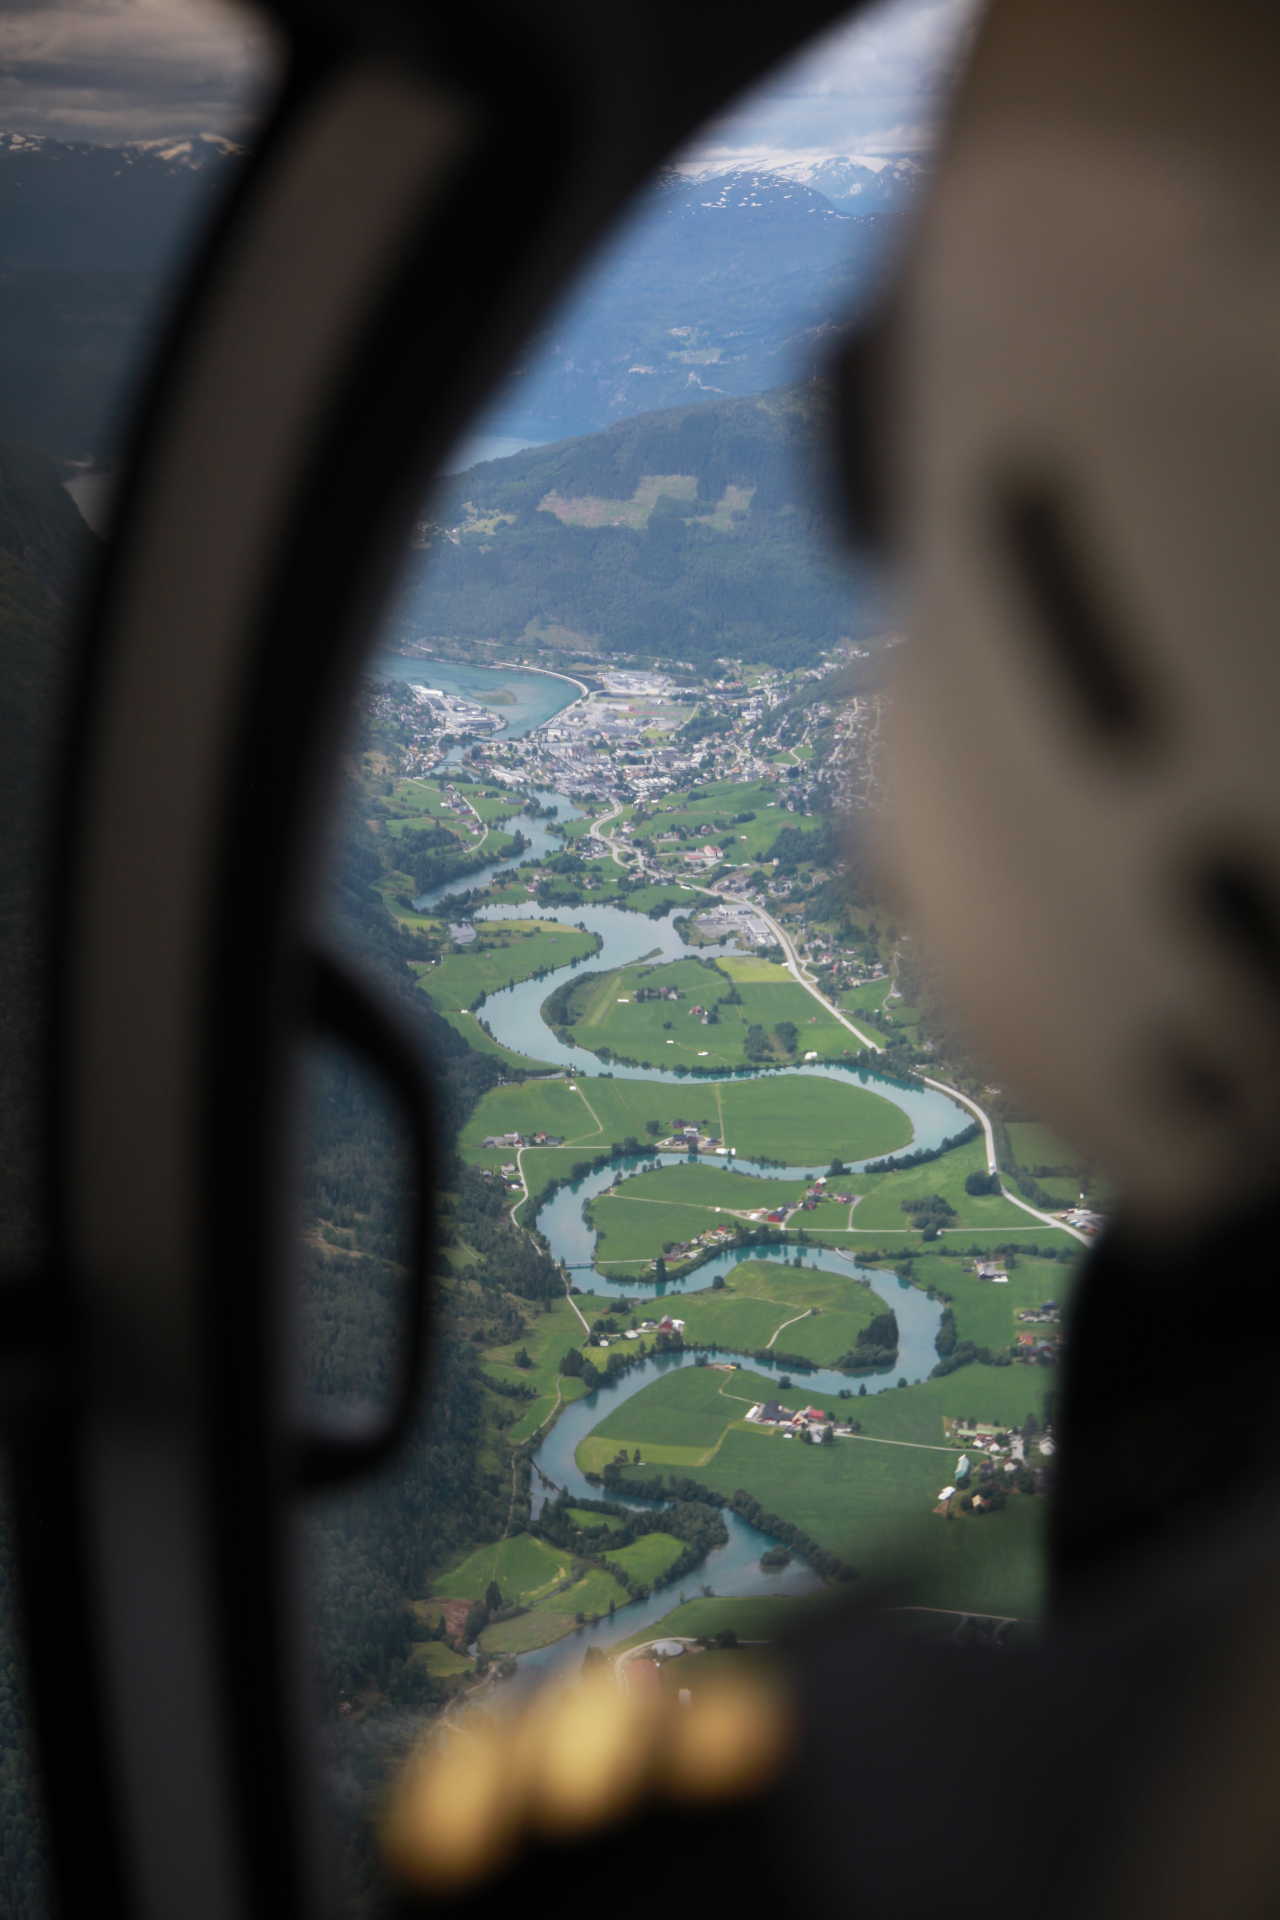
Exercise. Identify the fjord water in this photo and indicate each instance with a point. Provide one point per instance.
(525, 700)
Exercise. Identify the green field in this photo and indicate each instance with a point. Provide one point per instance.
(870, 1498)
(1001, 1395)
(440, 1660)
(475, 1036)
(866, 998)
(760, 1296)
(874, 1506)
(805, 1121)
(882, 1207)
(546, 1339)
(637, 1218)
(985, 1312)
(505, 952)
(535, 1106)
(604, 1013)
(800, 1120)
(1035, 1144)
(647, 1558)
(584, 1519)
(554, 1618)
(525, 1569)
(678, 1421)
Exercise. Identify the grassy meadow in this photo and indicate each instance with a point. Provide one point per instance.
(805, 1121)
(555, 1616)
(641, 1215)
(605, 1013)
(546, 1339)
(505, 952)
(647, 1558)
(873, 1504)
(869, 1498)
(761, 1297)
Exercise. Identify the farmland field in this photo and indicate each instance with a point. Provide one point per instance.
(554, 1618)
(647, 1558)
(524, 1568)
(636, 1219)
(869, 1498)
(439, 1660)
(873, 1504)
(505, 952)
(683, 1414)
(605, 1013)
(810, 1122)
(475, 1036)
(759, 1296)
(777, 1117)
(985, 1313)
(885, 1193)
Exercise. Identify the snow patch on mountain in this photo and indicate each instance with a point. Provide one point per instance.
(187, 153)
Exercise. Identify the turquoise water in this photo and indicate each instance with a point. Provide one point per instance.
(515, 1018)
(538, 696)
(540, 839)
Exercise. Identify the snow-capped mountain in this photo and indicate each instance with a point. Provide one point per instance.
(760, 190)
(71, 206)
(861, 184)
(852, 183)
(725, 283)
(183, 152)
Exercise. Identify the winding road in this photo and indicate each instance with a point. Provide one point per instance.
(795, 967)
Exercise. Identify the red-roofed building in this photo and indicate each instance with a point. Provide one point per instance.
(643, 1676)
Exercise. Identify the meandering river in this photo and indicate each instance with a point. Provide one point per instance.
(514, 1018)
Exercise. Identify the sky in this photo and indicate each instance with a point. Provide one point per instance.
(119, 70)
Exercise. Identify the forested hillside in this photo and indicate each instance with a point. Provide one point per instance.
(738, 553)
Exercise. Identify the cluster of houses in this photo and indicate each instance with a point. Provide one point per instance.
(693, 1141)
(665, 1325)
(681, 1250)
(778, 1216)
(792, 1422)
(493, 1140)
(703, 857)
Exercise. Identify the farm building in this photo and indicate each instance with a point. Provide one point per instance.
(643, 1677)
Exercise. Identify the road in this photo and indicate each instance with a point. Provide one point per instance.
(795, 967)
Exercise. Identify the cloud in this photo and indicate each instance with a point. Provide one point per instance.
(115, 70)
(878, 84)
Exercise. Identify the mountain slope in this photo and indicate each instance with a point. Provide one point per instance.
(685, 534)
(91, 241)
(724, 285)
